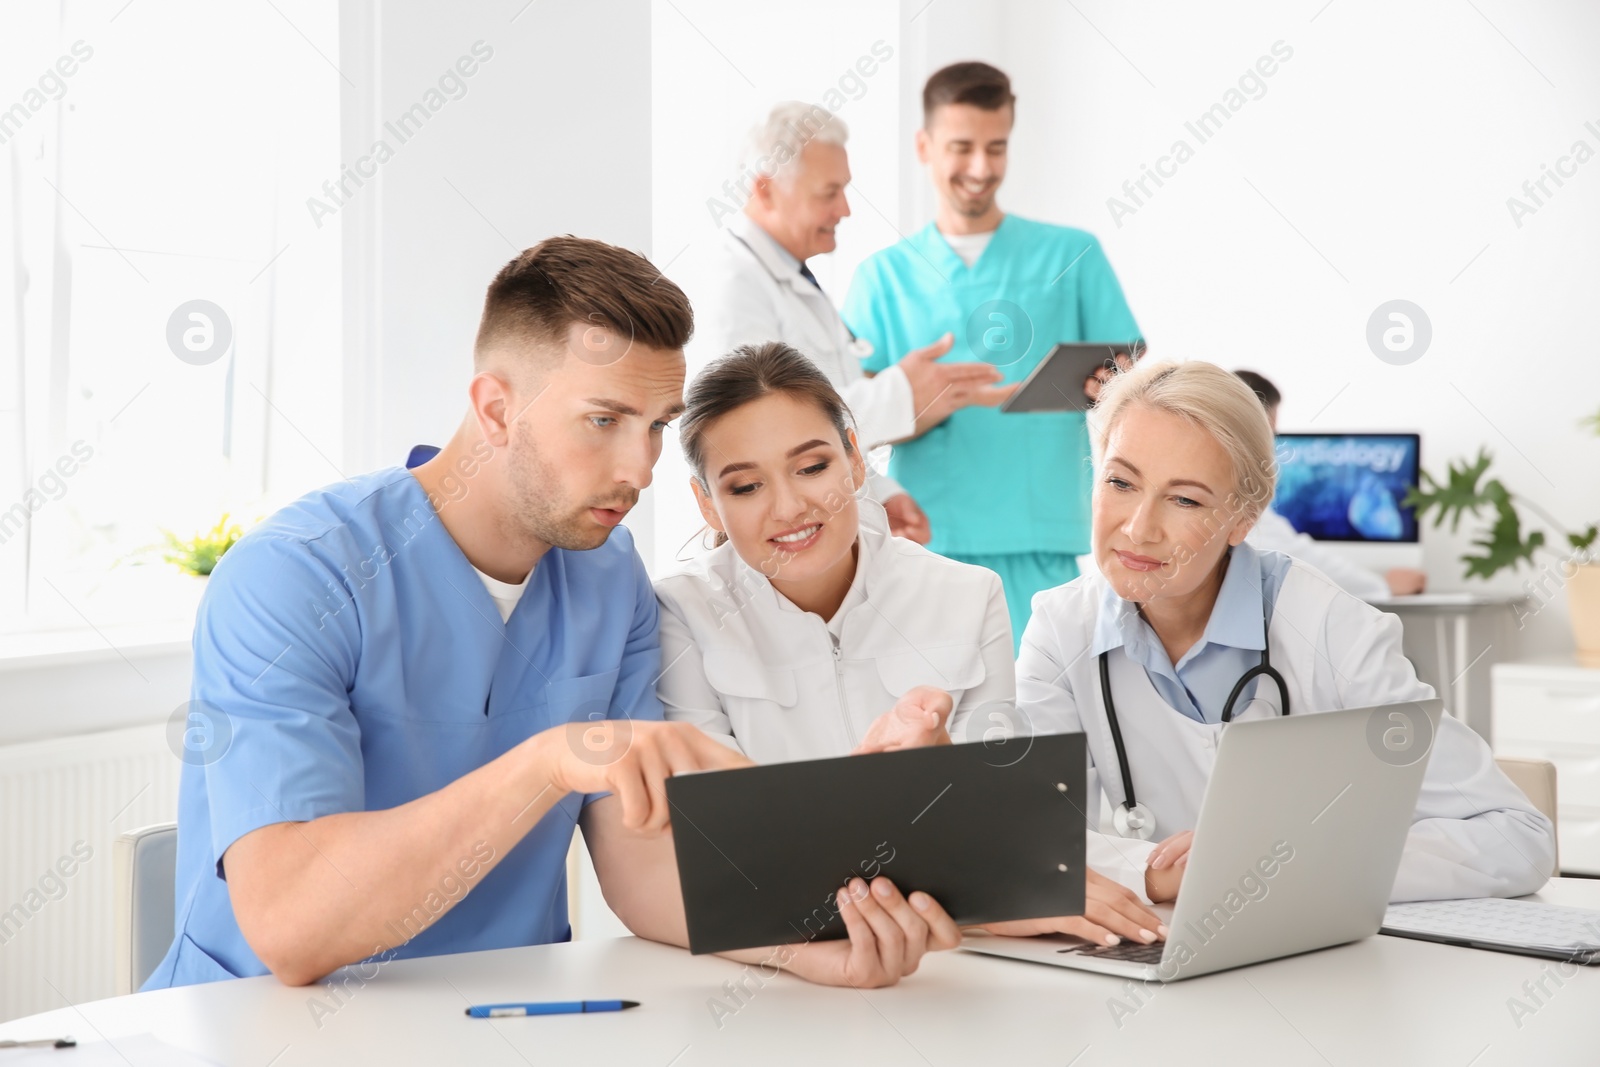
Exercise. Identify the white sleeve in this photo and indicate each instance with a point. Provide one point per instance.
(882, 407)
(685, 693)
(881, 487)
(1274, 532)
(1046, 704)
(731, 309)
(997, 692)
(1474, 833)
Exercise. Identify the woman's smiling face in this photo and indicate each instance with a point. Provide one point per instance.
(1166, 507)
(782, 486)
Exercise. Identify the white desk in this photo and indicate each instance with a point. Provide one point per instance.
(1379, 1001)
(1466, 629)
(1548, 707)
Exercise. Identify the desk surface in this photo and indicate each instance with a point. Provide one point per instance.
(1460, 600)
(1379, 1001)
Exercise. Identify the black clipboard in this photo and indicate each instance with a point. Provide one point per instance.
(1056, 384)
(993, 831)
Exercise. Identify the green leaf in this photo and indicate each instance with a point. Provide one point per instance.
(1458, 494)
(1583, 540)
(1504, 546)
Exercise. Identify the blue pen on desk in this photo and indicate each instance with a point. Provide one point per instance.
(554, 1007)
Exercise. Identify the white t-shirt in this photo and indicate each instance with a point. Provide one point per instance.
(969, 246)
(505, 594)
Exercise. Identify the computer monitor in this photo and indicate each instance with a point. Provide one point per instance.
(1349, 486)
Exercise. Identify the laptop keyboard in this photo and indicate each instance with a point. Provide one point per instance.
(1495, 920)
(1127, 952)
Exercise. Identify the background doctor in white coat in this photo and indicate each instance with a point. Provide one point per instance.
(759, 289)
(1183, 461)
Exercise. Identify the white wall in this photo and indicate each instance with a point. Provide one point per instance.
(552, 136)
(1390, 140)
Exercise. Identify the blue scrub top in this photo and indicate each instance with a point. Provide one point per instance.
(993, 483)
(354, 662)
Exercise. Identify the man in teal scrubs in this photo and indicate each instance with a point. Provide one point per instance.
(1007, 492)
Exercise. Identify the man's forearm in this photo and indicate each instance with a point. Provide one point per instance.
(311, 897)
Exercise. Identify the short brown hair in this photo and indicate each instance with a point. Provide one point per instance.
(978, 84)
(565, 280)
(1262, 386)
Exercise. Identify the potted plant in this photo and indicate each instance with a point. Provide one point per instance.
(197, 555)
(1570, 562)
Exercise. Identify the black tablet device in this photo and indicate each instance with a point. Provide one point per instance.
(993, 831)
(1056, 384)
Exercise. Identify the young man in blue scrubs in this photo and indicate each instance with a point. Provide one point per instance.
(1007, 492)
(409, 687)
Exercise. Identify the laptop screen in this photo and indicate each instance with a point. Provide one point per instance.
(1348, 487)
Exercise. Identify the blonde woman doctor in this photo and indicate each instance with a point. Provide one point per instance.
(1183, 607)
(810, 632)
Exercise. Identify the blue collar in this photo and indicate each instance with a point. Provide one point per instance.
(1236, 617)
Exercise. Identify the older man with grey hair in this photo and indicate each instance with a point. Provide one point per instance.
(760, 289)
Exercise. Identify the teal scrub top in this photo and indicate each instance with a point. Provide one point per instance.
(347, 657)
(993, 483)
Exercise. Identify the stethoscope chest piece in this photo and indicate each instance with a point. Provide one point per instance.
(1135, 821)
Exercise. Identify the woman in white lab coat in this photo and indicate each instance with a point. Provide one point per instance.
(810, 632)
(807, 602)
(1176, 614)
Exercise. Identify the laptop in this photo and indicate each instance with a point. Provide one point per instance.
(1296, 847)
(991, 830)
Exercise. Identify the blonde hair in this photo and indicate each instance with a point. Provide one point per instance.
(1209, 397)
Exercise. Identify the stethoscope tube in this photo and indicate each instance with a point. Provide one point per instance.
(1132, 819)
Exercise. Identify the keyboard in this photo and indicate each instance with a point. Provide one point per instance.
(1514, 925)
(1127, 952)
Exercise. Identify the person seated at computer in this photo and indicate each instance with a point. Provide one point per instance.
(1145, 656)
(811, 632)
(1273, 532)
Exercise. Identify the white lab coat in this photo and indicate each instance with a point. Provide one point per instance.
(753, 292)
(745, 665)
(1474, 833)
(1272, 532)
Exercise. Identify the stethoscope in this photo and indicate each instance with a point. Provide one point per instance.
(1133, 819)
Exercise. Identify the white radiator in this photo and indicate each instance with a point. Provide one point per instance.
(62, 802)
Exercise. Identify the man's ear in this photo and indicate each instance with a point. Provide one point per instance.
(924, 146)
(708, 510)
(761, 191)
(491, 398)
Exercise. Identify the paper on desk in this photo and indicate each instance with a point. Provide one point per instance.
(142, 1050)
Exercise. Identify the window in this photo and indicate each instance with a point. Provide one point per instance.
(170, 335)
